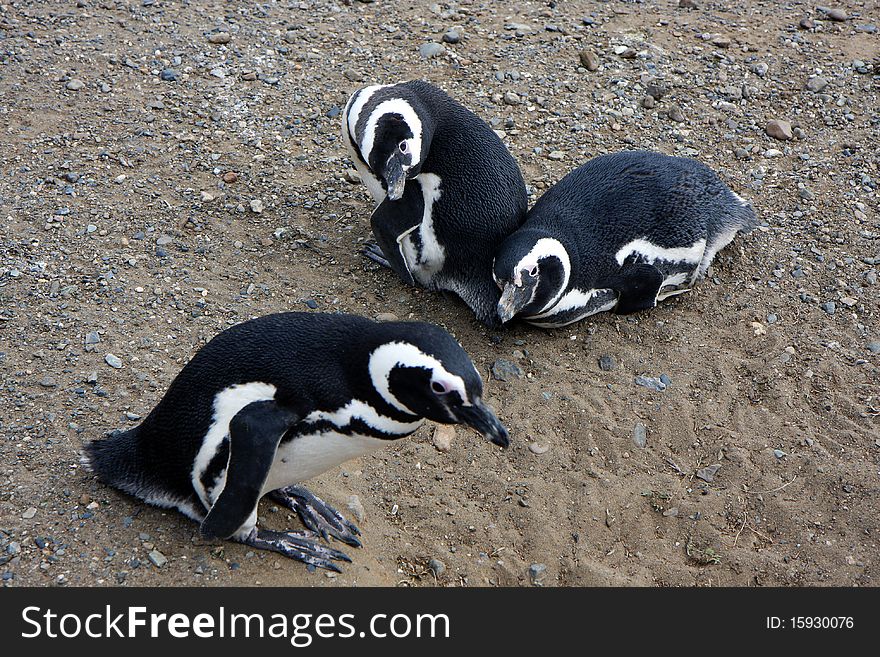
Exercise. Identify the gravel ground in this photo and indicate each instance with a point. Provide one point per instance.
(171, 169)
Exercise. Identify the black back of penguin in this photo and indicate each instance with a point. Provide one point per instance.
(479, 199)
(620, 197)
(621, 232)
(313, 360)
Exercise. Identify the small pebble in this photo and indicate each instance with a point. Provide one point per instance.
(387, 317)
(589, 60)
(437, 567)
(356, 507)
(640, 435)
(829, 307)
(230, 177)
(504, 370)
(75, 85)
(429, 50)
(606, 363)
(708, 473)
(779, 130)
(157, 558)
(29, 513)
(539, 448)
(113, 361)
(650, 382)
(220, 37)
(536, 573)
(444, 434)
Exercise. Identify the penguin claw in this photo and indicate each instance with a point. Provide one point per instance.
(374, 252)
(300, 546)
(317, 515)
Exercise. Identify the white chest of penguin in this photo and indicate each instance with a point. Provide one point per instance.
(421, 250)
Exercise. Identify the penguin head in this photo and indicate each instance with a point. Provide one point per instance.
(394, 143)
(427, 374)
(532, 273)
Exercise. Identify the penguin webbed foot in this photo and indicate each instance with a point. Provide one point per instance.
(374, 252)
(301, 546)
(317, 515)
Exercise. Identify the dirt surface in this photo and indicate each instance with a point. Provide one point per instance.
(124, 232)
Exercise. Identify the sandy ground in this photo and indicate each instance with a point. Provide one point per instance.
(122, 233)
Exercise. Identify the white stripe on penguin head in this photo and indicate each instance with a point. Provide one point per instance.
(393, 354)
(356, 105)
(544, 248)
(402, 108)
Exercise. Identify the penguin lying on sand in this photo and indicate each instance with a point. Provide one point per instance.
(277, 400)
(620, 233)
(447, 190)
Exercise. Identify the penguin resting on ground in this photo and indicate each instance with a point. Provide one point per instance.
(277, 400)
(620, 233)
(447, 190)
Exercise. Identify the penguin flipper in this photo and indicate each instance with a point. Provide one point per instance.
(254, 434)
(638, 286)
(392, 221)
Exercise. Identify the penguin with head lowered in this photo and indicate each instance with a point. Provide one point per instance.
(619, 233)
(447, 190)
(274, 401)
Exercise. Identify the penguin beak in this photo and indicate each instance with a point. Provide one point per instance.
(513, 299)
(481, 418)
(395, 178)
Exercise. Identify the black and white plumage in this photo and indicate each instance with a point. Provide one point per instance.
(447, 190)
(277, 400)
(620, 233)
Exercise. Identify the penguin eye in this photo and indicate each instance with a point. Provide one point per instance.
(534, 272)
(439, 388)
(403, 146)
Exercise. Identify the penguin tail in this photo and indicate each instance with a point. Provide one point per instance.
(114, 460)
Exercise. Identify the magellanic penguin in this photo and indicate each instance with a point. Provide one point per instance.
(620, 233)
(274, 401)
(447, 190)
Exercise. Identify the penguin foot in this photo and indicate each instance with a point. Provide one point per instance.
(317, 515)
(301, 546)
(374, 252)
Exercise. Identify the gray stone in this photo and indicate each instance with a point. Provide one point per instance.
(650, 382)
(778, 453)
(429, 50)
(511, 98)
(829, 307)
(779, 129)
(874, 347)
(157, 558)
(168, 75)
(816, 84)
(452, 36)
(536, 573)
(164, 240)
(75, 85)
(92, 337)
(665, 380)
(357, 509)
(606, 363)
(640, 435)
(113, 361)
(29, 513)
(708, 473)
(48, 382)
(589, 60)
(505, 370)
(220, 37)
(835, 14)
(675, 114)
(437, 567)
